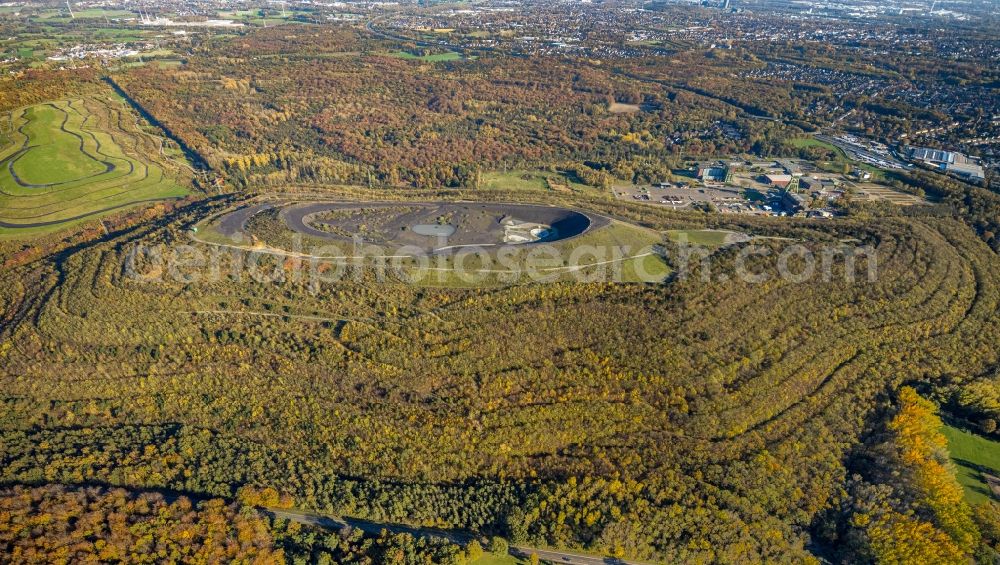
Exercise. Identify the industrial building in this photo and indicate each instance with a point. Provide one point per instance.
(794, 202)
(779, 181)
(714, 172)
(949, 161)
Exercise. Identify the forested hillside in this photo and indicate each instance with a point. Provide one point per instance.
(331, 104)
(55, 524)
(604, 413)
(775, 394)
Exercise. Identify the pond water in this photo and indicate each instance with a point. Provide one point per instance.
(434, 230)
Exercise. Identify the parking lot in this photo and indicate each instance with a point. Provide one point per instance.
(731, 200)
(679, 196)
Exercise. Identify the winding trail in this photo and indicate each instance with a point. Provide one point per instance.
(109, 166)
(4, 224)
(125, 181)
(453, 536)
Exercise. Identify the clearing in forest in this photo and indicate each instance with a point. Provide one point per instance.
(977, 460)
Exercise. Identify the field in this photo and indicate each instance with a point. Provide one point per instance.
(63, 15)
(435, 58)
(620, 108)
(974, 455)
(878, 192)
(800, 142)
(708, 238)
(169, 63)
(71, 160)
(494, 559)
(271, 16)
(530, 180)
(237, 14)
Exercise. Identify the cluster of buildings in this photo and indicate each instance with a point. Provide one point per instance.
(779, 187)
(790, 190)
(603, 30)
(78, 52)
(167, 22)
(949, 161)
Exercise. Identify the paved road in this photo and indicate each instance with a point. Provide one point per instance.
(568, 221)
(561, 557)
(234, 222)
(454, 536)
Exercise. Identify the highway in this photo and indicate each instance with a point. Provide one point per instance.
(454, 536)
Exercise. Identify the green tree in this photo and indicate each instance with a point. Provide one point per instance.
(498, 545)
(473, 551)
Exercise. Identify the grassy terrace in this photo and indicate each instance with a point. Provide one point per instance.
(975, 456)
(804, 142)
(71, 160)
(50, 144)
(522, 179)
(708, 238)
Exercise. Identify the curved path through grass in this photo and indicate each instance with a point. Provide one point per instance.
(71, 160)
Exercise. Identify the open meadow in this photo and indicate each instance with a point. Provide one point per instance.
(977, 459)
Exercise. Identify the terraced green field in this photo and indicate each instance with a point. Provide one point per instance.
(68, 161)
(975, 457)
